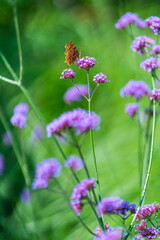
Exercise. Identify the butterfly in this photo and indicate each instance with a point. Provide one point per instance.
(72, 54)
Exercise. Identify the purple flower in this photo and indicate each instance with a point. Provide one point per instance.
(80, 192)
(131, 109)
(21, 108)
(100, 78)
(7, 139)
(114, 205)
(155, 94)
(74, 162)
(137, 89)
(25, 196)
(153, 23)
(18, 120)
(99, 231)
(86, 62)
(73, 94)
(150, 64)
(129, 18)
(37, 133)
(156, 50)
(78, 119)
(19, 117)
(1, 164)
(48, 168)
(112, 234)
(68, 73)
(147, 211)
(140, 43)
(145, 232)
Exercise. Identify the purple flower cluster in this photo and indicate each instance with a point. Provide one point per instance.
(6, 139)
(114, 205)
(86, 62)
(155, 94)
(25, 196)
(1, 164)
(153, 23)
(73, 94)
(78, 119)
(74, 163)
(80, 192)
(137, 89)
(111, 234)
(131, 109)
(19, 117)
(129, 18)
(156, 50)
(99, 231)
(48, 168)
(140, 43)
(150, 64)
(145, 231)
(68, 73)
(100, 78)
(147, 211)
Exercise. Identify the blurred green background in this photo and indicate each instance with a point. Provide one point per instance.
(45, 27)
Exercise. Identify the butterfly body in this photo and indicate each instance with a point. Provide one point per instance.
(72, 54)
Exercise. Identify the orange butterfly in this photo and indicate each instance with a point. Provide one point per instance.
(72, 54)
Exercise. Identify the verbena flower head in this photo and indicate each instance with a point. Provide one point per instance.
(21, 108)
(1, 164)
(155, 94)
(25, 196)
(99, 230)
(112, 234)
(80, 192)
(129, 18)
(100, 78)
(47, 169)
(37, 133)
(150, 64)
(74, 162)
(145, 232)
(114, 205)
(140, 43)
(6, 139)
(156, 50)
(68, 73)
(147, 211)
(18, 120)
(86, 62)
(77, 119)
(153, 23)
(131, 109)
(73, 94)
(19, 117)
(137, 89)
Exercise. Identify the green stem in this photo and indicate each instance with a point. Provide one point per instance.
(8, 80)
(68, 200)
(78, 89)
(149, 167)
(8, 66)
(18, 41)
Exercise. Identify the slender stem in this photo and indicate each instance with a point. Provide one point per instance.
(78, 89)
(92, 140)
(149, 167)
(94, 211)
(8, 66)
(18, 40)
(94, 90)
(139, 150)
(93, 149)
(68, 200)
(149, 219)
(8, 80)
